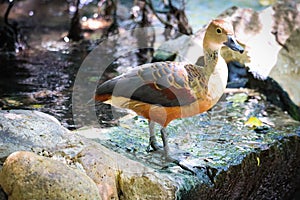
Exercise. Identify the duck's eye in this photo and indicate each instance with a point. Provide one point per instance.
(219, 30)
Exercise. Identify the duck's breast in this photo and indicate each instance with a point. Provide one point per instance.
(218, 80)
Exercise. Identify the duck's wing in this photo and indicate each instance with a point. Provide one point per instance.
(160, 83)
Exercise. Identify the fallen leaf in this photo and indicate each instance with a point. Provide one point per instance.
(253, 122)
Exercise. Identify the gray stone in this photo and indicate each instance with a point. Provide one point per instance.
(271, 37)
(220, 146)
(24, 129)
(110, 171)
(120, 177)
(287, 69)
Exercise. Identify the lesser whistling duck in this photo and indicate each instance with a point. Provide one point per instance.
(164, 91)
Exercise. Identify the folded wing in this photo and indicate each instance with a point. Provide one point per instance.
(162, 83)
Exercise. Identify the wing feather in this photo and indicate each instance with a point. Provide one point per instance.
(162, 83)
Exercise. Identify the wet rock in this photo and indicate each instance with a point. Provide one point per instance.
(221, 147)
(261, 175)
(146, 186)
(98, 165)
(26, 175)
(120, 168)
(119, 177)
(112, 173)
(272, 43)
(24, 130)
(287, 69)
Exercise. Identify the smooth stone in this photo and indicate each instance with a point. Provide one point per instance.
(26, 175)
(112, 173)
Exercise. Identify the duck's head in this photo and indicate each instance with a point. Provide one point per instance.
(218, 33)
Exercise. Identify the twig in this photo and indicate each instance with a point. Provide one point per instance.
(11, 4)
(275, 33)
(149, 2)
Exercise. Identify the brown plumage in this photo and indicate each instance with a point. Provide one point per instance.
(164, 91)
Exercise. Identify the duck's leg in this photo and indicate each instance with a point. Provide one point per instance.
(164, 137)
(180, 163)
(152, 139)
(155, 146)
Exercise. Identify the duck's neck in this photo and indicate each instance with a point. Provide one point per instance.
(215, 70)
(210, 60)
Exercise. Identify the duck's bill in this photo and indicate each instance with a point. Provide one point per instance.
(232, 44)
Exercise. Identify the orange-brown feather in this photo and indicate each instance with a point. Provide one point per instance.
(102, 97)
(160, 114)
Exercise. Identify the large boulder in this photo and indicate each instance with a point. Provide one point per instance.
(120, 177)
(271, 39)
(117, 165)
(287, 68)
(114, 175)
(24, 130)
(26, 175)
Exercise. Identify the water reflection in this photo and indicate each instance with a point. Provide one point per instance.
(38, 80)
